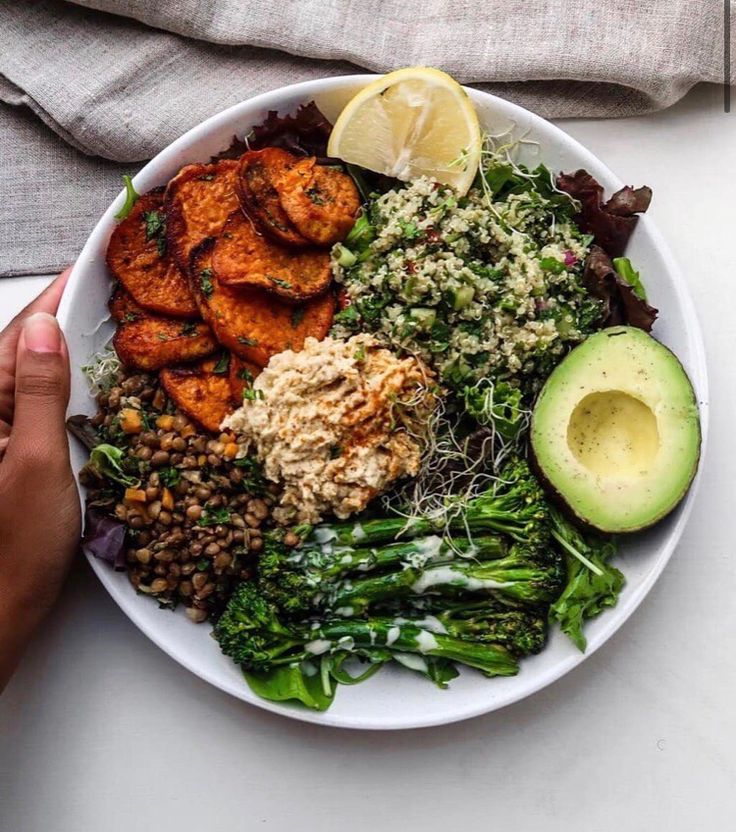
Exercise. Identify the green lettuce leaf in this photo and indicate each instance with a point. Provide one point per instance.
(586, 593)
(106, 460)
(626, 271)
(287, 682)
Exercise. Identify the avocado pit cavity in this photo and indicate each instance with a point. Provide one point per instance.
(611, 433)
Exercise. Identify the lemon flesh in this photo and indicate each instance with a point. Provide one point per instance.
(410, 123)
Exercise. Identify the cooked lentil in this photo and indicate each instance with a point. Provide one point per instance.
(172, 553)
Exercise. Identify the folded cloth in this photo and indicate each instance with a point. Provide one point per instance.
(121, 79)
(52, 195)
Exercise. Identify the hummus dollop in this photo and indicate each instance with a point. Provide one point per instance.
(335, 424)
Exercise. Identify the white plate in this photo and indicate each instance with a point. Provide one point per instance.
(393, 698)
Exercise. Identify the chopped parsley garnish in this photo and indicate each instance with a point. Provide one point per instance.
(130, 317)
(223, 364)
(214, 517)
(297, 316)
(359, 354)
(189, 328)
(552, 264)
(155, 223)
(250, 394)
(245, 375)
(247, 342)
(162, 336)
(169, 476)
(315, 196)
(409, 230)
(253, 480)
(205, 282)
(156, 229)
(348, 315)
(277, 281)
(206, 177)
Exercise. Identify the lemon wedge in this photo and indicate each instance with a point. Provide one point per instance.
(413, 122)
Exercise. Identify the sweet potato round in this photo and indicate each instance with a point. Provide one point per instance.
(321, 202)
(244, 258)
(123, 308)
(199, 391)
(249, 322)
(138, 258)
(198, 201)
(257, 174)
(151, 342)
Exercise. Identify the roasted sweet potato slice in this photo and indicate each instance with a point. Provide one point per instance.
(138, 258)
(200, 390)
(321, 202)
(197, 202)
(242, 375)
(123, 308)
(258, 172)
(151, 342)
(249, 322)
(243, 257)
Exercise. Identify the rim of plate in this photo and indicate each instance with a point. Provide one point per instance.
(617, 615)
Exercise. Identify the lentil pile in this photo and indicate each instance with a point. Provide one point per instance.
(194, 512)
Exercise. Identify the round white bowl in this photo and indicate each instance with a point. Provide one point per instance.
(394, 698)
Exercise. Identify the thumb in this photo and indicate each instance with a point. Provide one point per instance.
(41, 390)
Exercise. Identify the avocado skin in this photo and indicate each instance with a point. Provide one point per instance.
(558, 499)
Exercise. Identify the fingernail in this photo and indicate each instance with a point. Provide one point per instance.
(41, 333)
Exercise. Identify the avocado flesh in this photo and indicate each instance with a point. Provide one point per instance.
(615, 431)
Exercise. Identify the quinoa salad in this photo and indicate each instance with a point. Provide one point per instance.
(486, 284)
(356, 412)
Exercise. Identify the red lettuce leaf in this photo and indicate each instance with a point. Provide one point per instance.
(621, 304)
(104, 538)
(82, 428)
(303, 134)
(611, 223)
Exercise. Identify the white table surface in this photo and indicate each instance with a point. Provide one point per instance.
(101, 731)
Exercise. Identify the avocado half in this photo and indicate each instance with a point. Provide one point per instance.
(615, 432)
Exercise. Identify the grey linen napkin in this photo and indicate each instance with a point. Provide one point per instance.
(120, 79)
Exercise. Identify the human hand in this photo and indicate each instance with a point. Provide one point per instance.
(39, 507)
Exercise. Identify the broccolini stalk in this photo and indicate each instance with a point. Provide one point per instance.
(291, 578)
(515, 506)
(407, 637)
(332, 562)
(251, 632)
(524, 575)
(521, 631)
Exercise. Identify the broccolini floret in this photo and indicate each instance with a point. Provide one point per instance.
(294, 578)
(252, 633)
(515, 506)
